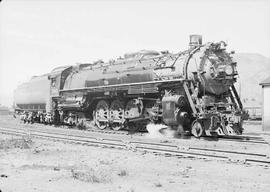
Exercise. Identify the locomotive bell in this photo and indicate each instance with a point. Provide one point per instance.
(195, 41)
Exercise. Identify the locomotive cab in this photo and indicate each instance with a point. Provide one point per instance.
(57, 79)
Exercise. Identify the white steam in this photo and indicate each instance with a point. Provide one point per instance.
(159, 131)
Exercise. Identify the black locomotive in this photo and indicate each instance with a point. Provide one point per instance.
(191, 91)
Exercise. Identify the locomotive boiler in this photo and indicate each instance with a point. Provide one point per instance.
(191, 91)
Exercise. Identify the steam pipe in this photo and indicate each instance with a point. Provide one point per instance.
(187, 61)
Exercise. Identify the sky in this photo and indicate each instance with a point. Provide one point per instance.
(39, 35)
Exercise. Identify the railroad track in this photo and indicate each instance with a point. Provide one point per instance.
(167, 149)
(240, 138)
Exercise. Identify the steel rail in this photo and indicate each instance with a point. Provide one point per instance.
(123, 134)
(165, 149)
(240, 139)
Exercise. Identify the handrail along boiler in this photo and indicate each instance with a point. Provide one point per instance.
(191, 91)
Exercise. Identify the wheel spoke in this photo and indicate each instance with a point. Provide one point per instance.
(102, 114)
(197, 129)
(117, 115)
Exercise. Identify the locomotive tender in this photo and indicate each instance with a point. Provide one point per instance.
(191, 91)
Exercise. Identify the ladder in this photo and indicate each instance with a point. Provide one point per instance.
(235, 98)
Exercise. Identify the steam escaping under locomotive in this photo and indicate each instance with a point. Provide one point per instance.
(191, 91)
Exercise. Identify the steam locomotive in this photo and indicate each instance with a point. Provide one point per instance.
(191, 91)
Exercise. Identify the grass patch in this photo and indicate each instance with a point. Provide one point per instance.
(122, 173)
(24, 142)
(158, 184)
(91, 175)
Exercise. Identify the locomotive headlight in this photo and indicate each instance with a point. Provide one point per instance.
(229, 70)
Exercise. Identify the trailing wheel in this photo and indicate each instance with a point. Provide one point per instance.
(102, 114)
(197, 129)
(117, 115)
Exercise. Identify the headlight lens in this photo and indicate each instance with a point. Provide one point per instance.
(229, 70)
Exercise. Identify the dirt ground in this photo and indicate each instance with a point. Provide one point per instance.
(28, 164)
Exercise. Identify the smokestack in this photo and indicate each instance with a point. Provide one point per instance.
(195, 41)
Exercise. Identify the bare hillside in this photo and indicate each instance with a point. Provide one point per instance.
(252, 69)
